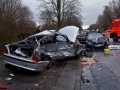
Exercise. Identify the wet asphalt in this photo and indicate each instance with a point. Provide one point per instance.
(66, 75)
(105, 74)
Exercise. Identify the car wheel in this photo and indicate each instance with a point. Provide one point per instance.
(50, 64)
(115, 38)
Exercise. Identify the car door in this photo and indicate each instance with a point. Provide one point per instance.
(64, 47)
(49, 47)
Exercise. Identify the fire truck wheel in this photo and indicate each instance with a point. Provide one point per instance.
(115, 39)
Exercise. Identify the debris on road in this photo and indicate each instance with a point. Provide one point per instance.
(117, 53)
(99, 69)
(114, 47)
(12, 74)
(36, 84)
(3, 86)
(88, 61)
(84, 78)
(107, 51)
(8, 79)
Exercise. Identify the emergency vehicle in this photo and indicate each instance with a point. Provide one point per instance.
(106, 33)
(115, 30)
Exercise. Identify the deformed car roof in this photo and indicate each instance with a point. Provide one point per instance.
(70, 31)
(46, 32)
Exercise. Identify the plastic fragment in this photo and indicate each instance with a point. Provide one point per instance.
(8, 78)
(3, 86)
(100, 69)
(12, 74)
(36, 84)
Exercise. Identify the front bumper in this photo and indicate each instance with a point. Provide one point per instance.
(27, 64)
(96, 45)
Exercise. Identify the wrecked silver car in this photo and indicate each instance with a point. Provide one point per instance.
(38, 52)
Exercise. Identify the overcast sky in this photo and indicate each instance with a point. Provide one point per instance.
(90, 9)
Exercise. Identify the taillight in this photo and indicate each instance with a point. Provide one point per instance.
(6, 50)
(35, 59)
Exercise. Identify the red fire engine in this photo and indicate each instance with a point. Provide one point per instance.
(115, 30)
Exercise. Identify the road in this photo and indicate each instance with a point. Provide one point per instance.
(64, 75)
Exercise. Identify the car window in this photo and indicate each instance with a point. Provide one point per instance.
(82, 35)
(61, 38)
(31, 40)
(47, 40)
(94, 35)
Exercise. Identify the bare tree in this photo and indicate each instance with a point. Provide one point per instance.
(110, 12)
(15, 18)
(57, 11)
(93, 27)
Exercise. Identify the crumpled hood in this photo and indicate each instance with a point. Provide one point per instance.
(70, 31)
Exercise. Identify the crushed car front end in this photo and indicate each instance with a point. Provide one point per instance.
(96, 40)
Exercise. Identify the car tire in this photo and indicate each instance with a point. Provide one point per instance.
(50, 64)
(115, 38)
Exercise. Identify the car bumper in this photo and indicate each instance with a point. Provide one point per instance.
(25, 64)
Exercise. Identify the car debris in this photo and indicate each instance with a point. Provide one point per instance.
(84, 78)
(117, 53)
(114, 47)
(36, 84)
(99, 69)
(88, 61)
(12, 74)
(8, 79)
(3, 86)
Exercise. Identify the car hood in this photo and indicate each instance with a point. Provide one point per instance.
(70, 31)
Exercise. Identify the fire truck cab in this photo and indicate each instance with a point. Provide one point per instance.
(115, 30)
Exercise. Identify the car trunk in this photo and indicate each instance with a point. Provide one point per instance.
(23, 50)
